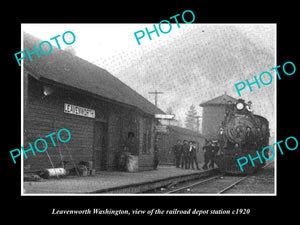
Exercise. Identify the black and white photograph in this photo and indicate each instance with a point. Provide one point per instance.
(131, 112)
(183, 113)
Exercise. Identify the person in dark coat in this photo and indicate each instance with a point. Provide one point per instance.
(193, 156)
(184, 155)
(214, 150)
(223, 141)
(155, 158)
(207, 154)
(128, 147)
(177, 150)
(130, 144)
(189, 155)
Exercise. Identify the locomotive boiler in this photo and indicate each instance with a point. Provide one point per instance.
(241, 133)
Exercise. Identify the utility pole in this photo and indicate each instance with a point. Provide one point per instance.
(156, 135)
(156, 93)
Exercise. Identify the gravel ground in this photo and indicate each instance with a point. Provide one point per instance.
(213, 186)
(260, 183)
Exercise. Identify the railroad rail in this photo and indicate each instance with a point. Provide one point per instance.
(214, 185)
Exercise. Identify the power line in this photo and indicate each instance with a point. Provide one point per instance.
(155, 93)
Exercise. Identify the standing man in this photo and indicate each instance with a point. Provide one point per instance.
(184, 155)
(130, 144)
(128, 147)
(214, 151)
(207, 154)
(177, 150)
(222, 138)
(194, 155)
(156, 152)
(189, 159)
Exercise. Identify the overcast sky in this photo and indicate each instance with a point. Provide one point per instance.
(190, 64)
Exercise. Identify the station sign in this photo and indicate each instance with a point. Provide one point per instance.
(164, 116)
(80, 111)
(161, 129)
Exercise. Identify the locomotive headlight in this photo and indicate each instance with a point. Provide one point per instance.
(240, 106)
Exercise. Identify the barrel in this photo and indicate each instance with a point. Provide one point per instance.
(132, 163)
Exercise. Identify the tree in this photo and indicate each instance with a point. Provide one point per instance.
(191, 118)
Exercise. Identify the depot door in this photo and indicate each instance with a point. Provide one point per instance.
(100, 146)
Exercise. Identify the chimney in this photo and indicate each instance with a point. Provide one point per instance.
(71, 50)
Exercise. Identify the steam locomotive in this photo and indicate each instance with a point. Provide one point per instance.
(241, 133)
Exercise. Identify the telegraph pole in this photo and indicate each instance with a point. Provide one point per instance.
(156, 93)
(155, 153)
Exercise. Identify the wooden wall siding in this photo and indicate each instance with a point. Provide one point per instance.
(166, 143)
(146, 155)
(114, 139)
(121, 121)
(43, 116)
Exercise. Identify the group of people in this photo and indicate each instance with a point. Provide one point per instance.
(186, 154)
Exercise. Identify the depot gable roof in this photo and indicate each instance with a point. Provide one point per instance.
(220, 100)
(65, 68)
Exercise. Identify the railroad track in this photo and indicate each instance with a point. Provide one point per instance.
(213, 185)
(219, 184)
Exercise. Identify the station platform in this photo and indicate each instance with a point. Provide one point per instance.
(108, 182)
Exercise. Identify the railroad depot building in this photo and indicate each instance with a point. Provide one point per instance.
(213, 114)
(62, 90)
